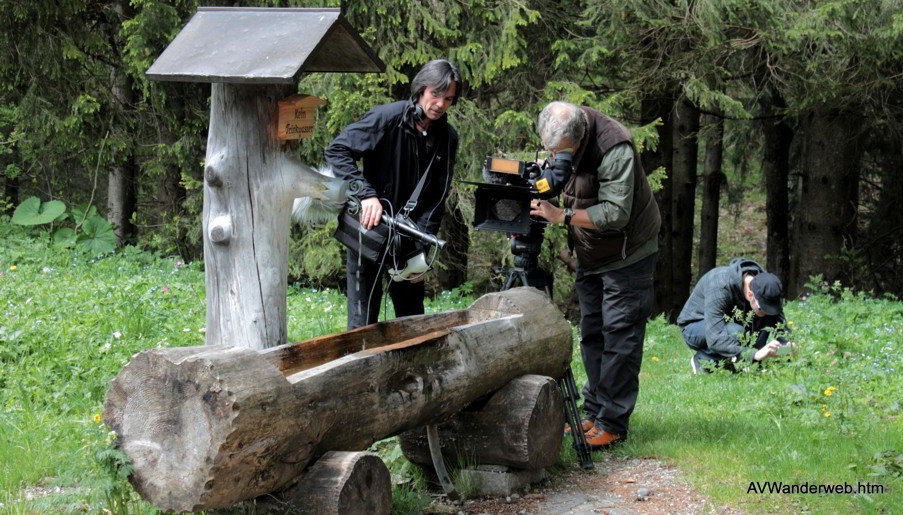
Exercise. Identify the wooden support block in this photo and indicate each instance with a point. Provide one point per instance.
(339, 483)
(520, 426)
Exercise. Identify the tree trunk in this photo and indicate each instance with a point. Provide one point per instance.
(122, 181)
(776, 170)
(662, 108)
(206, 427)
(122, 199)
(339, 483)
(520, 426)
(454, 257)
(172, 195)
(711, 196)
(683, 203)
(885, 229)
(825, 224)
(250, 183)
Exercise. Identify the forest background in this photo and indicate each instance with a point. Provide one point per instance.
(797, 105)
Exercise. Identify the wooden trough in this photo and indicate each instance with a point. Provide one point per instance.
(209, 426)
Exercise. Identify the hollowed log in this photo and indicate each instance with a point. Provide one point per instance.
(210, 426)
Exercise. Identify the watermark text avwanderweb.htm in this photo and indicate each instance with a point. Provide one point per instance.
(779, 487)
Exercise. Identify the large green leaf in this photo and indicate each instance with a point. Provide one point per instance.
(64, 237)
(97, 236)
(32, 212)
(83, 211)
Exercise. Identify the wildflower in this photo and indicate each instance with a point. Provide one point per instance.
(12, 267)
(202, 330)
(185, 330)
(117, 335)
(790, 322)
(653, 358)
(827, 413)
(98, 418)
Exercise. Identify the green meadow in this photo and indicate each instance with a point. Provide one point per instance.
(831, 415)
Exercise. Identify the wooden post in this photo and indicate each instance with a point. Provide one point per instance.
(250, 181)
(210, 426)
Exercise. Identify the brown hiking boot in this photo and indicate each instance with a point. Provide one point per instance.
(585, 423)
(599, 439)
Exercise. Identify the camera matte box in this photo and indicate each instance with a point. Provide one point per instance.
(501, 208)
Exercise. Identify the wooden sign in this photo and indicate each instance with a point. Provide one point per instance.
(298, 116)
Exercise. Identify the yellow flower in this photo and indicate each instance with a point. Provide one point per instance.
(12, 267)
(653, 358)
(829, 392)
(827, 413)
(98, 418)
(790, 322)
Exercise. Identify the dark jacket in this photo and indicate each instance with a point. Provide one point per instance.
(717, 294)
(394, 156)
(597, 248)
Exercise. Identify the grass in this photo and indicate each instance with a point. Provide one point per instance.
(830, 415)
(70, 323)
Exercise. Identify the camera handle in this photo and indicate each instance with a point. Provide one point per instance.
(398, 223)
(404, 225)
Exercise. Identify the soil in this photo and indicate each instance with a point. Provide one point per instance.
(616, 486)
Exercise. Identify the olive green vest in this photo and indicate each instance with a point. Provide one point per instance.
(597, 248)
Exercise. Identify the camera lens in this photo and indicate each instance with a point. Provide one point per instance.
(505, 209)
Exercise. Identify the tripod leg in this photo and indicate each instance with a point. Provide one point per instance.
(572, 414)
(509, 283)
(523, 278)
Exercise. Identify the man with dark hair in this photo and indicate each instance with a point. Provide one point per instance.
(613, 223)
(718, 311)
(398, 143)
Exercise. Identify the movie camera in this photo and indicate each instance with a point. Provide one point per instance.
(503, 204)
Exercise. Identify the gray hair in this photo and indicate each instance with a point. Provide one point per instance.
(438, 74)
(561, 121)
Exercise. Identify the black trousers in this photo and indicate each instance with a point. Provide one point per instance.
(614, 307)
(365, 292)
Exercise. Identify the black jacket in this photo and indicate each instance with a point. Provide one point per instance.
(394, 156)
(716, 295)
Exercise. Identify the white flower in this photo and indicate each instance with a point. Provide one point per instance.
(186, 330)
(202, 330)
(117, 334)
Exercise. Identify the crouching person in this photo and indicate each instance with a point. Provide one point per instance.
(710, 324)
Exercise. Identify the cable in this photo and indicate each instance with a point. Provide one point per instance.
(378, 276)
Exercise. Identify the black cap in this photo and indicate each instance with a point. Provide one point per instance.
(768, 291)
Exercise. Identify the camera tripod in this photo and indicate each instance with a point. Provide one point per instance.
(527, 271)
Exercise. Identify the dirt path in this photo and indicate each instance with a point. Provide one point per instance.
(616, 486)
